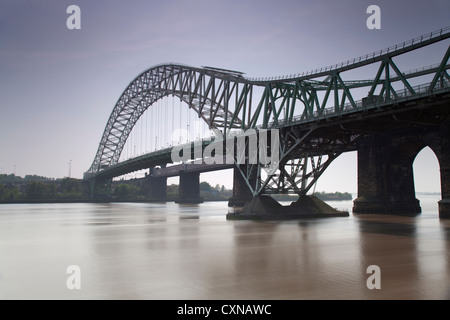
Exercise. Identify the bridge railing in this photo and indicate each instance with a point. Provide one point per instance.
(423, 69)
(363, 58)
(363, 104)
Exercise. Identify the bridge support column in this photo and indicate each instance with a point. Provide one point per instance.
(385, 179)
(444, 205)
(444, 164)
(97, 189)
(189, 188)
(91, 188)
(157, 188)
(241, 192)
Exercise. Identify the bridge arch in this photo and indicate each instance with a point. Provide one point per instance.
(386, 174)
(400, 171)
(194, 86)
(427, 178)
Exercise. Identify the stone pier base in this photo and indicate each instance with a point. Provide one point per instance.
(189, 188)
(241, 192)
(444, 209)
(364, 205)
(267, 208)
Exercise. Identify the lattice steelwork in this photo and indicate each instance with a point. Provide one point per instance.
(227, 100)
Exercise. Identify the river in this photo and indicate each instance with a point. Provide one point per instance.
(172, 251)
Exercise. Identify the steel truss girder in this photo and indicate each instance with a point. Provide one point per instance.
(298, 175)
(299, 101)
(224, 98)
(441, 74)
(303, 159)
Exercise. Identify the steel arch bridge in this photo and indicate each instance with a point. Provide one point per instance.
(296, 104)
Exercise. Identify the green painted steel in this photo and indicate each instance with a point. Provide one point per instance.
(227, 101)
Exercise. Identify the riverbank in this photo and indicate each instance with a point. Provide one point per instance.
(215, 198)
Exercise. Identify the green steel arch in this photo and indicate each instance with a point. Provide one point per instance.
(206, 90)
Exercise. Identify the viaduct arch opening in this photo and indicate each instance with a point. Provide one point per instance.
(386, 165)
(427, 180)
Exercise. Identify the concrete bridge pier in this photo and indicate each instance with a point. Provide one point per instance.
(241, 192)
(157, 188)
(385, 179)
(97, 189)
(189, 188)
(444, 208)
(444, 163)
(385, 170)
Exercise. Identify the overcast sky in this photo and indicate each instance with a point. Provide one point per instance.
(59, 86)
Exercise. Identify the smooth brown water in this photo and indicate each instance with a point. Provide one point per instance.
(171, 251)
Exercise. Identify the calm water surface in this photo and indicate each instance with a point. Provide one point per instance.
(171, 251)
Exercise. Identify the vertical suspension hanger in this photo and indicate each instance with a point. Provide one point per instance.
(173, 119)
(142, 133)
(127, 147)
(150, 136)
(163, 122)
(155, 117)
(146, 130)
(187, 124)
(179, 127)
(136, 131)
(204, 128)
(132, 143)
(140, 136)
(166, 133)
(153, 126)
(156, 125)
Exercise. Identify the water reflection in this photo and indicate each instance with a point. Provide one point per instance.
(171, 251)
(387, 228)
(445, 228)
(391, 243)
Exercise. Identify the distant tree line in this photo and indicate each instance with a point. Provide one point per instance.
(37, 188)
(136, 190)
(217, 193)
(325, 196)
(334, 196)
(12, 178)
